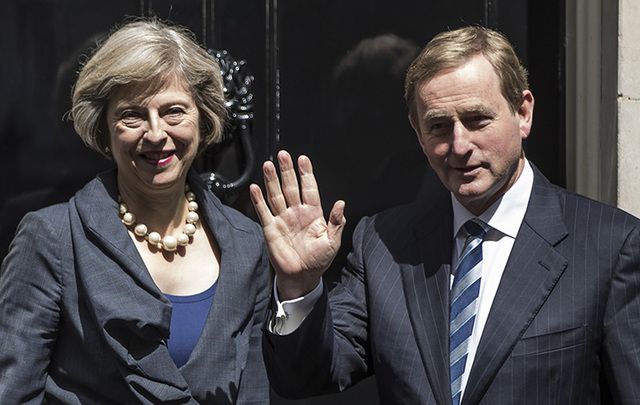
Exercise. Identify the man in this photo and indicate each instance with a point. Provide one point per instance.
(502, 289)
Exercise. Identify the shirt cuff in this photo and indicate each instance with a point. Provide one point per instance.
(291, 313)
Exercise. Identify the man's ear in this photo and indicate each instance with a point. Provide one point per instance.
(416, 127)
(525, 113)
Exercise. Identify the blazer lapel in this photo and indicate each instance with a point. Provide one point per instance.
(134, 321)
(97, 206)
(426, 287)
(225, 337)
(532, 271)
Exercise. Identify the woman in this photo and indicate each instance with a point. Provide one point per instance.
(143, 288)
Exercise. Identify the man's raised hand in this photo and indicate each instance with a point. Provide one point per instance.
(301, 243)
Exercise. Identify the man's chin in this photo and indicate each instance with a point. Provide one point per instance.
(471, 195)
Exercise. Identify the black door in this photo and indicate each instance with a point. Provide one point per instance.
(328, 83)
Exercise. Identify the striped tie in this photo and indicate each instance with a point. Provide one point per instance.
(464, 303)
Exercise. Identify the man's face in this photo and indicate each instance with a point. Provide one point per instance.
(471, 138)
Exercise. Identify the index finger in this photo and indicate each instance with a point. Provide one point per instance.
(260, 205)
(308, 185)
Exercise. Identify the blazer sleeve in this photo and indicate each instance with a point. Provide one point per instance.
(329, 352)
(254, 386)
(30, 295)
(622, 325)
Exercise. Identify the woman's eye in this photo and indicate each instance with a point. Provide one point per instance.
(174, 114)
(131, 117)
(176, 110)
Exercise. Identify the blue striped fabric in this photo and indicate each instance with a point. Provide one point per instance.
(464, 303)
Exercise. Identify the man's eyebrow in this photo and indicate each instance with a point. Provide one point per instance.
(477, 109)
(434, 114)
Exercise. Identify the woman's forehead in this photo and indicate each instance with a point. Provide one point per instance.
(140, 91)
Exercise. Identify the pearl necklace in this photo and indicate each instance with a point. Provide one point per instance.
(168, 243)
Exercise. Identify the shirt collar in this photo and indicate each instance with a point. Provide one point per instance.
(507, 213)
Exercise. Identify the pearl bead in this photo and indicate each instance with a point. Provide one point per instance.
(183, 239)
(192, 217)
(155, 238)
(128, 219)
(189, 229)
(169, 243)
(140, 230)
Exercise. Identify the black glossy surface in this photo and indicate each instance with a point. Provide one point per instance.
(328, 83)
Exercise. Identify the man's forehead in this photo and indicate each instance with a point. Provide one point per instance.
(466, 87)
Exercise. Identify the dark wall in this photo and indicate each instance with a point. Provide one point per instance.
(328, 83)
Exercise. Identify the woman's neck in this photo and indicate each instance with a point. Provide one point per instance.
(163, 211)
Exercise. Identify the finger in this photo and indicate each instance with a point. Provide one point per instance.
(310, 192)
(289, 179)
(260, 205)
(272, 185)
(337, 221)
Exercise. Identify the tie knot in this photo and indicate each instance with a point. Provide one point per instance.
(476, 228)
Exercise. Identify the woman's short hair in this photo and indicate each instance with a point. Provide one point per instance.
(154, 52)
(451, 49)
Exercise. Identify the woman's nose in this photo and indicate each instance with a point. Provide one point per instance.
(155, 132)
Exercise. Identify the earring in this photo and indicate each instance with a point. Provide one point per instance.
(107, 150)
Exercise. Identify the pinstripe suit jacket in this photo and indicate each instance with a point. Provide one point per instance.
(82, 322)
(564, 327)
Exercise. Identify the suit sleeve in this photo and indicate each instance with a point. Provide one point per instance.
(254, 387)
(622, 325)
(329, 352)
(30, 292)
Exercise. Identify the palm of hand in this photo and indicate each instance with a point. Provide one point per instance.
(299, 241)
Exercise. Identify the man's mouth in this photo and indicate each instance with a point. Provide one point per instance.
(467, 169)
(159, 158)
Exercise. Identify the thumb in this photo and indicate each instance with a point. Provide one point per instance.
(336, 221)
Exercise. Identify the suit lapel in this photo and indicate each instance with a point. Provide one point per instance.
(532, 271)
(426, 287)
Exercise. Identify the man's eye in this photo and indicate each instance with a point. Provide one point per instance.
(439, 128)
(478, 121)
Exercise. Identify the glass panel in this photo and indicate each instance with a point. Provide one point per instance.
(43, 160)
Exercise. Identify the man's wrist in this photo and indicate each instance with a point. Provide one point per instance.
(290, 288)
(289, 314)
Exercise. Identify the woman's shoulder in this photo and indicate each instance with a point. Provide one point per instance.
(55, 215)
(239, 219)
(55, 218)
(213, 203)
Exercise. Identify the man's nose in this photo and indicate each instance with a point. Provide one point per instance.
(461, 142)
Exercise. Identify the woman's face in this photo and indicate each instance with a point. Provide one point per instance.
(154, 139)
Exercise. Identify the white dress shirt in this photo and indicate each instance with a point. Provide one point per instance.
(504, 217)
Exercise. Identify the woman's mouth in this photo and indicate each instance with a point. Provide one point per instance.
(158, 159)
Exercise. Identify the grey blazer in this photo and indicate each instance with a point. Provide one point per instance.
(82, 322)
(564, 327)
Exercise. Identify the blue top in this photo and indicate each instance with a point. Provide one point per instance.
(187, 321)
